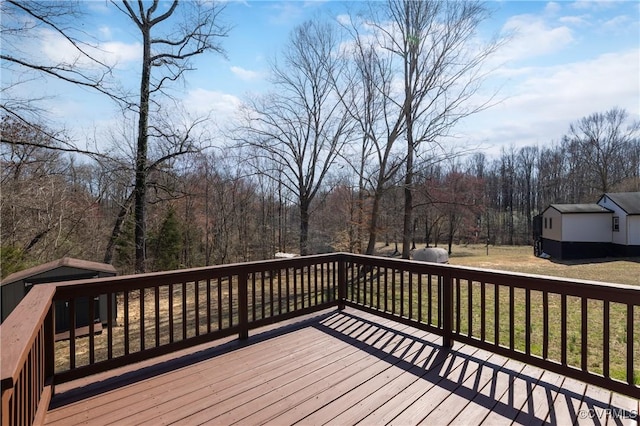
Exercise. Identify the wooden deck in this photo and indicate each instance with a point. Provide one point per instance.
(337, 368)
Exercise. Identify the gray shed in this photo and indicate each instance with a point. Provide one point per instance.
(17, 285)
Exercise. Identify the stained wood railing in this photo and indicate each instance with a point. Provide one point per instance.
(163, 312)
(26, 363)
(581, 329)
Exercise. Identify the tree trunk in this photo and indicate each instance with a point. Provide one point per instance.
(410, 63)
(373, 222)
(452, 220)
(117, 229)
(140, 188)
(304, 228)
(407, 228)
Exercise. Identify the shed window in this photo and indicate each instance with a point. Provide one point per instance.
(550, 223)
(545, 223)
(616, 224)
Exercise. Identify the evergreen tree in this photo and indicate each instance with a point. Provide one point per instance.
(168, 243)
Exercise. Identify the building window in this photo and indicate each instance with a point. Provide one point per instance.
(616, 224)
(550, 223)
(545, 223)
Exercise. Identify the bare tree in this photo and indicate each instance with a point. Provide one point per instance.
(169, 53)
(24, 23)
(175, 135)
(301, 127)
(527, 176)
(47, 199)
(439, 66)
(377, 159)
(603, 139)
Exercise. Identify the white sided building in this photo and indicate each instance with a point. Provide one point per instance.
(625, 221)
(611, 227)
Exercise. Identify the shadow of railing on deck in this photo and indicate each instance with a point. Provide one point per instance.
(139, 374)
(441, 363)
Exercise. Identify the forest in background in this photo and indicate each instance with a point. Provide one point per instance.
(351, 147)
(207, 209)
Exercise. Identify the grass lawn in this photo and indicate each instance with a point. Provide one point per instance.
(521, 259)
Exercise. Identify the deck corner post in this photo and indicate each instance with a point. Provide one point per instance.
(342, 282)
(447, 310)
(243, 306)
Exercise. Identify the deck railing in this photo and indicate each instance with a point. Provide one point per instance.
(26, 338)
(581, 329)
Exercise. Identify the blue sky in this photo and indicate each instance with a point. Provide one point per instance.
(565, 60)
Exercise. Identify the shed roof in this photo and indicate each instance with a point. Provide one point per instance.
(64, 262)
(628, 201)
(580, 208)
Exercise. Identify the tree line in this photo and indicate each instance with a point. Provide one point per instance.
(208, 210)
(347, 151)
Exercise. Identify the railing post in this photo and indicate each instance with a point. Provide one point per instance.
(5, 414)
(447, 310)
(243, 306)
(50, 347)
(342, 282)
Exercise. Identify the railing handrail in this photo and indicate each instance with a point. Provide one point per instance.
(151, 279)
(543, 282)
(19, 330)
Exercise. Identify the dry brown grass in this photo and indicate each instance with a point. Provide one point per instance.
(521, 259)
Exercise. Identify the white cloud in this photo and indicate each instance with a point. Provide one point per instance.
(533, 36)
(60, 51)
(285, 12)
(594, 4)
(100, 7)
(245, 74)
(119, 53)
(618, 24)
(581, 21)
(552, 8)
(608, 80)
(105, 32)
(343, 19)
(220, 106)
(544, 104)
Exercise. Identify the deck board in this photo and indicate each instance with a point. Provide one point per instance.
(479, 376)
(327, 391)
(516, 397)
(487, 398)
(184, 380)
(409, 398)
(377, 393)
(334, 368)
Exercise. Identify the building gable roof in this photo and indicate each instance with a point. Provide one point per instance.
(579, 208)
(627, 201)
(64, 262)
